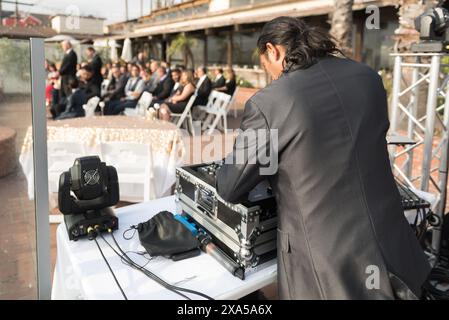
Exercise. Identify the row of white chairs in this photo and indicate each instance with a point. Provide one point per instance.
(133, 163)
(216, 110)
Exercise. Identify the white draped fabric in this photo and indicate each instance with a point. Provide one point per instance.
(81, 273)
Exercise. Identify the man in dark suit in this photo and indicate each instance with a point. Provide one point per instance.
(220, 80)
(164, 86)
(67, 71)
(95, 64)
(88, 84)
(203, 87)
(342, 233)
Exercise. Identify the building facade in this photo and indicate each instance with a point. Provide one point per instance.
(225, 32)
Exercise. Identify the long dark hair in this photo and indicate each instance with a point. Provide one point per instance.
(304, 44)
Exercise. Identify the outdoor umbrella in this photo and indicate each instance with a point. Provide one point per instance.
(62, 37)
(127, 54)
(113, 45)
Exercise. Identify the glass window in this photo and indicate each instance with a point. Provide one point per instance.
(18, 269)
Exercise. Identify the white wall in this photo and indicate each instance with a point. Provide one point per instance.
(219, 5)
(77, 25)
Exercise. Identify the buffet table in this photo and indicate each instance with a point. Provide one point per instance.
(81, 273)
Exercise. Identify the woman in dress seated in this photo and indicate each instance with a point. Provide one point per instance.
(179, 101)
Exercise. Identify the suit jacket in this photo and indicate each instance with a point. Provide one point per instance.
(219, 83)
(152, 83)
(164, 88)
(91, 89)
(116, 88)
(96, 64)
(203, 93)
(231, 85)
(75, 104)
(67, 72)
(340, 219)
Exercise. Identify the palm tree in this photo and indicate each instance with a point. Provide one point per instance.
(183, 45)
(341, 26)
(406, 34)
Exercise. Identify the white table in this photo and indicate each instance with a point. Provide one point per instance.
(81, 273)
(163, 137)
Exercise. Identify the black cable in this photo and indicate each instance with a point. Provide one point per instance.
(128, 261)
(110, 269)
(131, 263)
(159, 279)
(154, 277)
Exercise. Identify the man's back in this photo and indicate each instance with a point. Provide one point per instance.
(339, 209)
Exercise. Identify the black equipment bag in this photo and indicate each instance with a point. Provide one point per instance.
(165, 236)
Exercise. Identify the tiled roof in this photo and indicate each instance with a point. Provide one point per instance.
(27, 32)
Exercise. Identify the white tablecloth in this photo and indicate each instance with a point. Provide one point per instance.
(163, 137)
(81, 273)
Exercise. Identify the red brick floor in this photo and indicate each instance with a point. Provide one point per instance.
(17, 237)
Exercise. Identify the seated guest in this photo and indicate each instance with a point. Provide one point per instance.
(116, 87)
(178, 102)
(176, 76)
(88, 83)
(152, 84)
(231, 83)
(133, 90)
(203, 87)
(147, 79)
(75, 102)
(164, 86)
(177, 87)
(219, 81)
(124, 71)
(51, 96)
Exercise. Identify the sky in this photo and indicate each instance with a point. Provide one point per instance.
(112, 10)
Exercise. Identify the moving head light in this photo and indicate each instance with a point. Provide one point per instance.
(86, 193)
(433, 27)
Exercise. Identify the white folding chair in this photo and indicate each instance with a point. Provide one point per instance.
(142, 106)
(104, 86)
(186, 115)
(90, 107)
(216, 110)
(61, 156)
(134, 166)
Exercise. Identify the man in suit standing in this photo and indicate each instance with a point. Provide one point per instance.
(321, 142)
(67, 71)
(203, 87)
(95, 64)
(220, 80)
